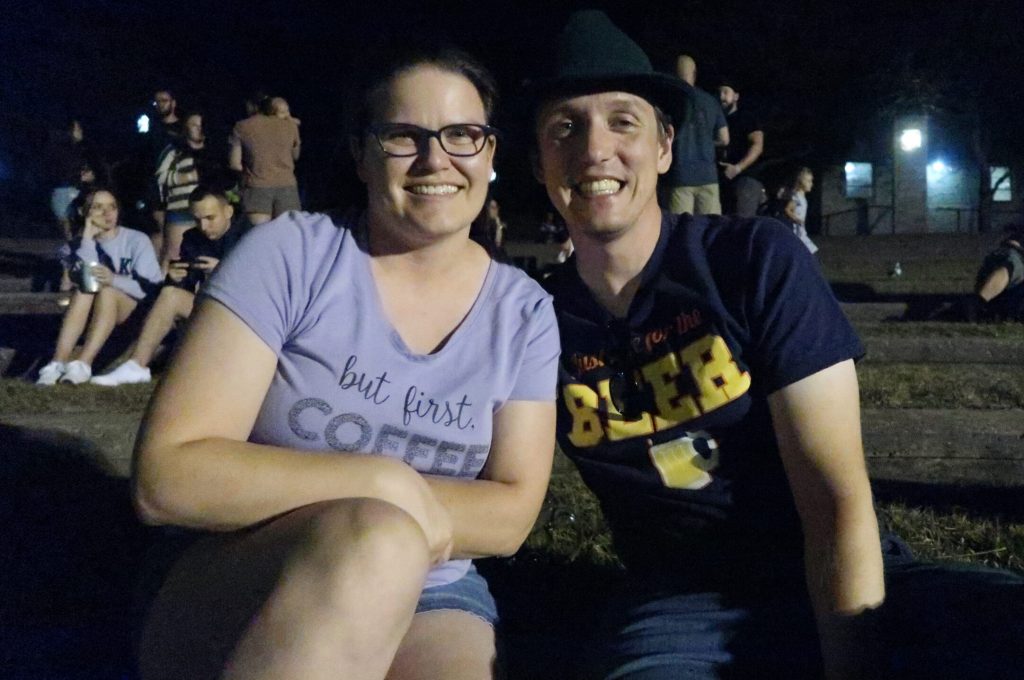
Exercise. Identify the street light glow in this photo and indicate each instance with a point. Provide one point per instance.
(911, 139)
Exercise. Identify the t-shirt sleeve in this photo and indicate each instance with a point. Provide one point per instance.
(264, 279)
(720, 121)
(796, 324)
(539, 370)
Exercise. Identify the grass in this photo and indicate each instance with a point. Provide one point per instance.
(17, 396)
(966, 386)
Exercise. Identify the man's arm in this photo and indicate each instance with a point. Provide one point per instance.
(722, 136)
(235, 155)
(817, 425)
(756, 140)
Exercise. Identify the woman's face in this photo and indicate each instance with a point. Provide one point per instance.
(806, 182)
(430, 195)
(103, 210)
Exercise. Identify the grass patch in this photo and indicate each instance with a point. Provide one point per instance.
(956, 535)
(18, 396)
(571, 529)
(967, 386)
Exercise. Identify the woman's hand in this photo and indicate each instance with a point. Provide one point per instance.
(103, 274)
(409, 490)
(90, 230)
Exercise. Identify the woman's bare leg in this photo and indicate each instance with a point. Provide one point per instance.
(73, 324)
(171, 246)
(454, 645)
(325, 591)
(111, 308)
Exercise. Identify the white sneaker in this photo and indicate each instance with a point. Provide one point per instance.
(127, 373)
(77, 373)
(51, 373)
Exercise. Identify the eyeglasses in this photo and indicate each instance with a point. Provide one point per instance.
(625, 388)
(402, 140)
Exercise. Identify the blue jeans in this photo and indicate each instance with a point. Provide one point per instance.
(938, 621)
(469, 594)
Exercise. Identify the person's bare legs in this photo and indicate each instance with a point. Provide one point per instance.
(449, 644)
(171, 245)
(995, 284)
(258, 218)
(325, 591)
(73, 325)
(171, 305)
(110, 309)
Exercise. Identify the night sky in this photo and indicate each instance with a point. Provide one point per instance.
(824, 77)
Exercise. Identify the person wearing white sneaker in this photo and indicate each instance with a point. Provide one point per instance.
(51, 373)
(128, 373)
(122, 266)
(201, 250)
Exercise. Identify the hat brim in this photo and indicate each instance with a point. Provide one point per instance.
(666, 92)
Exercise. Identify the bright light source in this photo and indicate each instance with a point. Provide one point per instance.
(849, 167)
(938, 166)
(911, 139)
(142, 124)
(494, 176)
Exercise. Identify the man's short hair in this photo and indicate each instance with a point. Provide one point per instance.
(202, 192)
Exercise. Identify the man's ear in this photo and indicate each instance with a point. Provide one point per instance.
(356, 149)
(665, 149)
(231, 211)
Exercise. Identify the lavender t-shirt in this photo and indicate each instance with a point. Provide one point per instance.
(346, 381)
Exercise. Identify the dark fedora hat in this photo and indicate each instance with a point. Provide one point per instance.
(595, 56)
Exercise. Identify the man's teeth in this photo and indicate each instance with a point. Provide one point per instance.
(433, 189)
(600, 187)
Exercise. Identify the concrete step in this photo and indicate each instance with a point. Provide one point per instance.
(942, 350)
(23, 303)
(945, 446)
(15, 284)
(873, 312)
(927, 446)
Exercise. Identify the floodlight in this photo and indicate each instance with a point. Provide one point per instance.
(911, 139)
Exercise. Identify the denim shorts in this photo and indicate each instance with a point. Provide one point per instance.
(468, 594)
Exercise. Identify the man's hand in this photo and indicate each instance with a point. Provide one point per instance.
(205, 263)
(731, 170)
(177, 271)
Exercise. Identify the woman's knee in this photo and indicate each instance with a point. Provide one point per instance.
(364, 534)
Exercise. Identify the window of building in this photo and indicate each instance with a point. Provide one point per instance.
(999, 176)
(859, 180)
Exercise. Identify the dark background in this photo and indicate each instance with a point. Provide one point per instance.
(824, 77)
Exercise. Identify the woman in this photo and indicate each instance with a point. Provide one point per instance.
(117, 269)
(390, 333)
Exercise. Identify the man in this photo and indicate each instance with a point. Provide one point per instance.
(164, 131)
(743, 191)
(264, 148)
(202, 248)
(999, 287)
(708, 397)
(692, 181)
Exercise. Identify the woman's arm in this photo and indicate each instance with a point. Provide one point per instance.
(817, 424)
(494, 514)
(193, 466)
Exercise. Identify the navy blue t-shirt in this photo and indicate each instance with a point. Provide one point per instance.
(693, 149)
(194, 244)
(729, 310)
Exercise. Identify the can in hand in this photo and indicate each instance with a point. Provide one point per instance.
(87, 282)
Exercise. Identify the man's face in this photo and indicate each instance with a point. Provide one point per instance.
(164, 103)
(729, 98)
(213, 216)
(194, 129)
(599, 157)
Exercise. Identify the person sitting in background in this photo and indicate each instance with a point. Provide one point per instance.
(118, 270)
(999, 288)
(202, 249)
